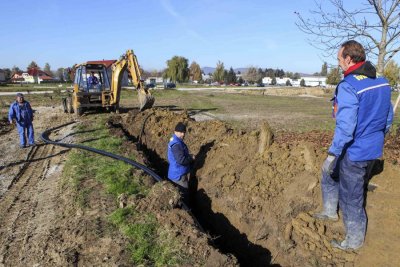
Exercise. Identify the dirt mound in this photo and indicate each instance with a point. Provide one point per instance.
(164, 202)
(252, 195)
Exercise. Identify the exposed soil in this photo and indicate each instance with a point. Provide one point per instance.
(42, 223)
(255, 196)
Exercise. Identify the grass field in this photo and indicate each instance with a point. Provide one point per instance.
(284, 113)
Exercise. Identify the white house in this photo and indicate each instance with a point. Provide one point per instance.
(279, 81)
(308, 80)
(315, 81)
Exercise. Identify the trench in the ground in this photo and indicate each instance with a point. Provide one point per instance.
(224, 235)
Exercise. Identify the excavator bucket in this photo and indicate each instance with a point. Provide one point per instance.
(146, 100)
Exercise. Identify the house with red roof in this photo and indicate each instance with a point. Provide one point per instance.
(33, 75)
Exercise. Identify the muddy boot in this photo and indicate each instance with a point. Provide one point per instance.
(345, 245)
(324, 216)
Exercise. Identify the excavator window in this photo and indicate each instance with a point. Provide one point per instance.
(97, 83)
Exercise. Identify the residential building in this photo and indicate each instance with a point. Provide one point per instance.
(311, 81)
(33, 75)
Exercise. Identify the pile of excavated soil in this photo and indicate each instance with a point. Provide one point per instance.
(164, 202)
(255, 196)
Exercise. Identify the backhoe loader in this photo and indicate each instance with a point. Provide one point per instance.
(95, 85)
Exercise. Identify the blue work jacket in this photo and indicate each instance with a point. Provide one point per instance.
(179, 158)
(23, 114)
(364, 114)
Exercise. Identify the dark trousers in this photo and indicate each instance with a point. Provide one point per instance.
(346, 187)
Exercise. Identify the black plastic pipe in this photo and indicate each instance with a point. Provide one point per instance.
(45, 138)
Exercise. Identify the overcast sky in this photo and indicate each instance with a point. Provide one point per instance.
(239, 33)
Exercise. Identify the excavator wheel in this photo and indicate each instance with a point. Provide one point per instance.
(146, 100)
(64, 103)
(68, 103)
(78, 111)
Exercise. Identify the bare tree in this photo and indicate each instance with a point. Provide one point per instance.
(375, 24)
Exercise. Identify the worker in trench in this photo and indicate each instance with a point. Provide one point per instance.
(21, 114)
(180, 161)
(364, 114)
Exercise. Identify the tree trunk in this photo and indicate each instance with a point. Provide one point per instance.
(380, 66)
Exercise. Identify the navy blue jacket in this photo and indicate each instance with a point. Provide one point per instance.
(22, 114)
(179, 158)
(364, 114)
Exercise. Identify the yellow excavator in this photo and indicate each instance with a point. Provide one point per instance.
(98, 84)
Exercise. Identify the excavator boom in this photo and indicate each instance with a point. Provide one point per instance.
(129, 62)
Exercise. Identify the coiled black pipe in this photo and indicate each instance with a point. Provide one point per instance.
(45, 138)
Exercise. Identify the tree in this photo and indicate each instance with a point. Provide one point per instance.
(60, 74)
(33, 64)
(225, 76)
(47, 69)
(334, 76)
(269, 73)
(273, 81)
(251, 75)
(324, 69)
(195, 71)
(15, 69)
(392, 73)
(279, 73)
(374, 24)
(296, 76)
(218, 74)
(288, 83)
(177, 69)
(231, 76)
(7, 73)
(302, 83)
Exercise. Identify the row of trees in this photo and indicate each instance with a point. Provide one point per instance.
(178, 70)
(61, 73)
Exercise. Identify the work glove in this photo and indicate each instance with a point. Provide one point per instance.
(329, 164)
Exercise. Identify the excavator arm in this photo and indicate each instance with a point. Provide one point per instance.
(129, 62)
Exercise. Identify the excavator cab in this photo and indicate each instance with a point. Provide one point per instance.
(92, 78)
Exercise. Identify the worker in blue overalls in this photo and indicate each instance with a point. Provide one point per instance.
(21, 113)
(180, 161)
(364, 114)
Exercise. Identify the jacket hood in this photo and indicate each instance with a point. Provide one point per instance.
(366, 69)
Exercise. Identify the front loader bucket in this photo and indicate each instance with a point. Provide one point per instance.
(146, 100)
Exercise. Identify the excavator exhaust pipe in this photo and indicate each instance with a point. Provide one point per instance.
(146, 100)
